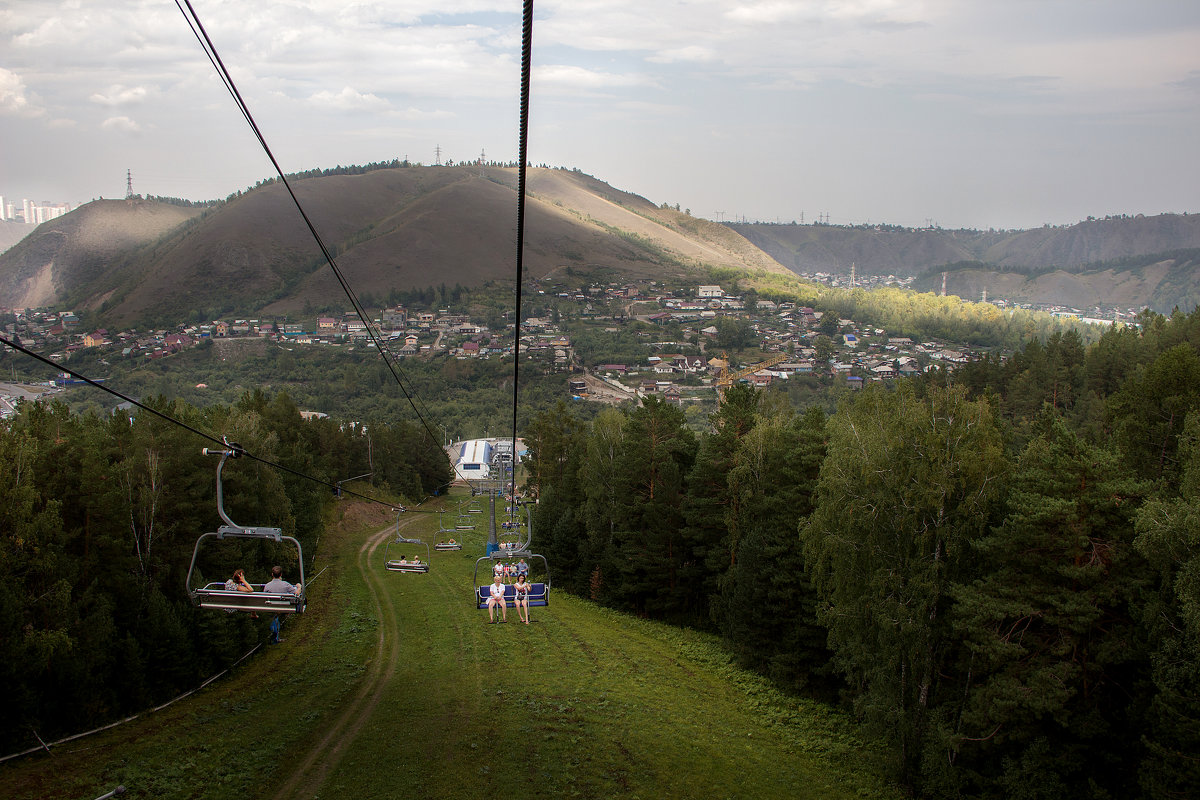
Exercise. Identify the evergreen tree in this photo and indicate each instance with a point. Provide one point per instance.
(1169, 539)
(766, 606)
(708, 497)
(1147, 413)
(905, 488)
(1052, 648)
(656, 453)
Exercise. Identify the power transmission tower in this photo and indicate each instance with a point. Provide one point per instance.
(129, 187)
(437, 158)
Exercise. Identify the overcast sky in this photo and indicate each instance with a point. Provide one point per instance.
(969, 113)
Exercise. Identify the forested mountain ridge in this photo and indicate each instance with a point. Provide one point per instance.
(1126, 262)
(888, 249)
(389, 228)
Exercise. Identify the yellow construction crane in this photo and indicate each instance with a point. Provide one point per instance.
(728, 378)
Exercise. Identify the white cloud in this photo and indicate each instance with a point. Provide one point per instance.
(14, 96)
(348, 100)
(692, 53)
(120, 96)
(122, 124)
(566, 76)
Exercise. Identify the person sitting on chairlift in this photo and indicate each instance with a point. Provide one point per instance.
(238, 582)
(496, 598)
(521, 587)
(498, 571)
(277, 585)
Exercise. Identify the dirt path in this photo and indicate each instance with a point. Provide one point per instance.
(312, 768)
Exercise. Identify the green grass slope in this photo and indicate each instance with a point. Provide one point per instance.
(394, 685)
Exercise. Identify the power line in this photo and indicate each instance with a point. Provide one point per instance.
(214, 57)
(220, 442)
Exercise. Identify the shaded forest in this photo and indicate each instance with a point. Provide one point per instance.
(98, 520)
(997, 568)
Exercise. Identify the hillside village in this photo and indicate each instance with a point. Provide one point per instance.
(792, 340)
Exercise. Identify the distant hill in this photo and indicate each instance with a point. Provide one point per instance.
(884, 249)
(407, 227)
(1159, 281)
(80, 248)
(404, 227)
(1123, 262)
(13, 232)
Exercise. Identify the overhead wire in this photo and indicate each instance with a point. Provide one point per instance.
(216, 440)
(206, 43)
(198, 30)
(522, 160)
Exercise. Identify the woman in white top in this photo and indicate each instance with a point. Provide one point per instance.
(522, 591)
(496, 598)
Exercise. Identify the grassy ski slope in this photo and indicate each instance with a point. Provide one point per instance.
(393, 685)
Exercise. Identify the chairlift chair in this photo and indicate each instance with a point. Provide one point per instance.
(539, 592)
(403, 565)
(217, 595)
(446, 545)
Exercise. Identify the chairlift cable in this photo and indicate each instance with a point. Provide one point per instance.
(522, 158)
(210, 50)
(220, 442)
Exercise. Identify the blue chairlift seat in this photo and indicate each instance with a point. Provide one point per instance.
(539, 595)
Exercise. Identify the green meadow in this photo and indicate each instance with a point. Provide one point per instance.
(393, 684)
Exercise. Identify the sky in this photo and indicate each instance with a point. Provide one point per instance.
(958, 113)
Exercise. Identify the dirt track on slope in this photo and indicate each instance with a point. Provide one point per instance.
(312, 768)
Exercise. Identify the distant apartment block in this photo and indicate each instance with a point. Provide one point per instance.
(30, 212)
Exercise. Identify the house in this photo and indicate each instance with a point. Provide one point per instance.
(326, 325)
(93, 339)
(710, 293)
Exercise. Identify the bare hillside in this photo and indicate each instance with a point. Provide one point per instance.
(76, 249)
(405, 227)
